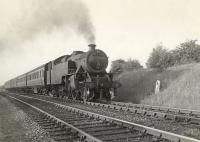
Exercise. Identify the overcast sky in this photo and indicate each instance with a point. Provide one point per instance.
(123, 29)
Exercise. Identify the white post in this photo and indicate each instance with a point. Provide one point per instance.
(157, 87)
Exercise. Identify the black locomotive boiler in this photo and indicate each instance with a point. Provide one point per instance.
(80, 76)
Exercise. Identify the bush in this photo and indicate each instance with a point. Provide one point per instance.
(121, 65)
(159, 58)
(117, 66)
(132, 64)
(186, 52)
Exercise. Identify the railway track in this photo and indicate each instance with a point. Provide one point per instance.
(79, 124)
(192, 116)
(171, 123)
(175, 114)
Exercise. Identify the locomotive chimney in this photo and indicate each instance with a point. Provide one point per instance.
(92, 47)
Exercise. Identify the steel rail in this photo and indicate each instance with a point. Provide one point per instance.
(157, 113)
(83, 135)
(176, 110)
(148, 130)
(142, 106)
(185, 115)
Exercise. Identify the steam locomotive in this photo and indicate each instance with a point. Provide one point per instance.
(79, 76)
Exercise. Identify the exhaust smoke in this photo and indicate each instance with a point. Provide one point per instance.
(27, 19)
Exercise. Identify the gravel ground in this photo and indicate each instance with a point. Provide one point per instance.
(16, 126)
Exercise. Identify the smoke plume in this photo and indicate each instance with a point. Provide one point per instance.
(33, 17)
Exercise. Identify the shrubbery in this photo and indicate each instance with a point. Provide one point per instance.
(186, 52)
(161, 57)
(120, 65)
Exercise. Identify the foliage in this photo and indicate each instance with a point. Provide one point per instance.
(159, 58)
(122, 65)
(132, 64)
(186, 52)
(117, 65)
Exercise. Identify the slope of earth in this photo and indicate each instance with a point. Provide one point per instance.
(183, 92)
(179, 87)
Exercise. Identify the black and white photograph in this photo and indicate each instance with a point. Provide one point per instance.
(100, 71)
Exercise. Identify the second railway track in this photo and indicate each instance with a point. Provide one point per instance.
(82, 125)
(187, 124)
(186, 115)
(190, 116)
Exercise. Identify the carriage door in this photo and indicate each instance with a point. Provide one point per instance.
(47, 77)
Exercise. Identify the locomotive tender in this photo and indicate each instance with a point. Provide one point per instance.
(80, 76)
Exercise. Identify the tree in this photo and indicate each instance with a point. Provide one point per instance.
(132, 64)
(120, 65)
(117, 65)
(187, 52)
(159, 58)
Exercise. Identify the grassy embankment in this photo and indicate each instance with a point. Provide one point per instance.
(180, 87)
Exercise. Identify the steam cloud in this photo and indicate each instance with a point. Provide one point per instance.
(38, 16)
